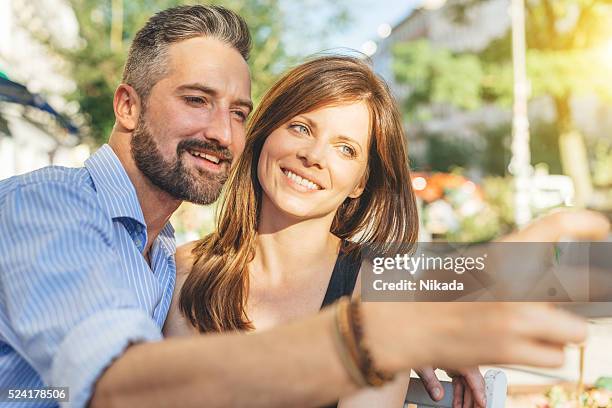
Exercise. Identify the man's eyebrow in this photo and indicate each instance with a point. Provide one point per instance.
(245, 103)
(213, 92)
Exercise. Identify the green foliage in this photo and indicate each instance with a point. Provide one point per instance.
(489, 150)
(481, 227)
(569, 53)
(602, 164)
(570, 72)
(97, 74)
(435, 75)
(499, 194)
(496, 156)
(96, 65)
(447, 151)
(544, 145)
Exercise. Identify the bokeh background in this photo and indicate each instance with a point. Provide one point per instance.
(449, 64)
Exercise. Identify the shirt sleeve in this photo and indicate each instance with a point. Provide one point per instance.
(62, 296)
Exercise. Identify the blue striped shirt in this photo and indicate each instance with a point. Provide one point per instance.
(75, 290)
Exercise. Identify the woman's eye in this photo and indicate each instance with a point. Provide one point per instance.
(347, 150)
(195, 100)
(300, 129)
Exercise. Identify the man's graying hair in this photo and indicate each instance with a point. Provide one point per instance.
(147, 60)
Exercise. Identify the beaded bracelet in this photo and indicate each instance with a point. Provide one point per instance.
(346, 350)
(374, 377)
(354, 354)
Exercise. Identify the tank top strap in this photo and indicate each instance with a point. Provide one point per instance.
(343, 277)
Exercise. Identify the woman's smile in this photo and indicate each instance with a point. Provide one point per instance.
(300, 182)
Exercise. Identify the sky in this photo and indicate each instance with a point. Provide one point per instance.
(366, 16)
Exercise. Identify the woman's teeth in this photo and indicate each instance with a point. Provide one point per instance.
(302, 181)
(206, 156)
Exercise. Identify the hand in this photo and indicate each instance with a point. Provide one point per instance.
(457, 335)
(468, 386)
(572, 224)
(401, 335)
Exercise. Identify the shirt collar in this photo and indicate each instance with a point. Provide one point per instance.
(166, 239)
(113, 186)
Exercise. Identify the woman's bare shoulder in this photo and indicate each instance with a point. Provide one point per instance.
(176, 323)
(185, 258)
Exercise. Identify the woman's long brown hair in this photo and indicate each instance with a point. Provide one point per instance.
(214, 295)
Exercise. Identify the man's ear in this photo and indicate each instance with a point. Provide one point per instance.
(127, 106)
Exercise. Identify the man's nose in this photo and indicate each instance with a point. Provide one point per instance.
(219, 127)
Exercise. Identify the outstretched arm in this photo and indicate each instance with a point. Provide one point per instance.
(297, 364)
(293, 365)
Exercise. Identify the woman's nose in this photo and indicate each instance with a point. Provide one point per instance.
(314, 155)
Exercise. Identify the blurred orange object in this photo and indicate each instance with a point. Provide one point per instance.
(431, 187)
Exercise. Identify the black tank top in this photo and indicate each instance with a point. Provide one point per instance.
(343, 277)
(342, 282)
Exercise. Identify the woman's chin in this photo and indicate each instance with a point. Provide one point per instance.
(293, 208)
(296, 211)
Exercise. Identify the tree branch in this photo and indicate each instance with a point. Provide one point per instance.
(581, 23)
(549, 12)
(535, 33)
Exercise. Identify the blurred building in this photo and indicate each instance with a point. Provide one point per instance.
(481, 24)
(31, 137)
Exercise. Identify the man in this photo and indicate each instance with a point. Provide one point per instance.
(102, 270)
(87, 257)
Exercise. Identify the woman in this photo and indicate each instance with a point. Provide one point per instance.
(324, 172)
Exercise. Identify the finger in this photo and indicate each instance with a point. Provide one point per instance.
(468, 400)
(537, 354)
(584, 224)
(576, 224)
(476, 383)
(548, 324)
(458, 392)
(431, 383)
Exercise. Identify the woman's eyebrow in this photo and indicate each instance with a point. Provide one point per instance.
(308, 121)
(349, 139)
(344, 138)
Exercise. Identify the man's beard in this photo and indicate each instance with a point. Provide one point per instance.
(172, 176)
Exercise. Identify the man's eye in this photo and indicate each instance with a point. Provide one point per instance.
(300, 129)
(196, 100)
(241, 115)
